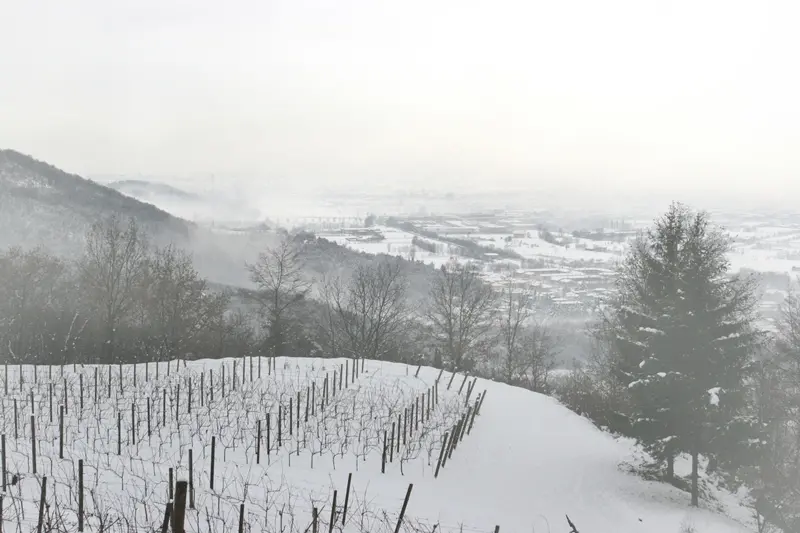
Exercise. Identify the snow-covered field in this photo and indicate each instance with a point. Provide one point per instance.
(399, 243)
(525, 463)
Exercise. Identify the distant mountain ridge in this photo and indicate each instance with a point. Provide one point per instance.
(141, 189)
(31, 190)
(41, 205)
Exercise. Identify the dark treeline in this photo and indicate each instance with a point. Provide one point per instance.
(125, 300)
(122, 301)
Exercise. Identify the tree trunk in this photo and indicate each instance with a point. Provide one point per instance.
(695, 478)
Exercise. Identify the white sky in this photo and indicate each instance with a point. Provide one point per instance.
(616, 93)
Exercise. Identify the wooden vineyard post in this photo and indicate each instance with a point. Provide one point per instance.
(470, 389)
(179, 507)
(308, 396)
(403, 509)
(399, 425)
(33, 442)
(416, 413)
(167, 516)
(440, 463)
(258, 442)
(333, 514)
(191, 479)
(461, 388)
(391, 445)
(472, 418)
(268, 432)
(16, 420)
(60, 431)
(480, 405)
(133, 423)
(42, 498)
(280, 424)
(241, 516)
(314, 514)
(213, 455)
(446, 447)
(496, 529)
(346, 498)
(383, 458)
(80, 494)
(66, 404)
(464, 425)
(291, 416)
(3, 444)
(119, 432)
(451, 380)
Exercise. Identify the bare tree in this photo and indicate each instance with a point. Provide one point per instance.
(537, 357)
(516, 299)
(461, 312)
(111, 270)
(178, 308)
(279, 275)
(368, 312)
(37, 308)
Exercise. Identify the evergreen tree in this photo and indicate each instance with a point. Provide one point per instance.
(683, 335)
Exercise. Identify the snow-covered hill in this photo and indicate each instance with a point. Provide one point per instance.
(523, 464)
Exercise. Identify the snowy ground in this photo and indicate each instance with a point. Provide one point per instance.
(525, 463)
(399, 243)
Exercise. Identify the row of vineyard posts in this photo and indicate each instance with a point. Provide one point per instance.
(268, 437)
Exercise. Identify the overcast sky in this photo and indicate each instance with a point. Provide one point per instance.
(619, 93)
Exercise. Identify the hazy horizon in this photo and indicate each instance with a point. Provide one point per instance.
(685, 97)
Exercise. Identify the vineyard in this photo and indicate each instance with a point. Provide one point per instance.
(284, 445)
(316, 446)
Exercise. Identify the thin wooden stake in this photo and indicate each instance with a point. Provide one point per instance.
(213, 454)
(33, 441)
(42, 503)
(333, 514)
(346, 497)
(403, 509)
(80, 494)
